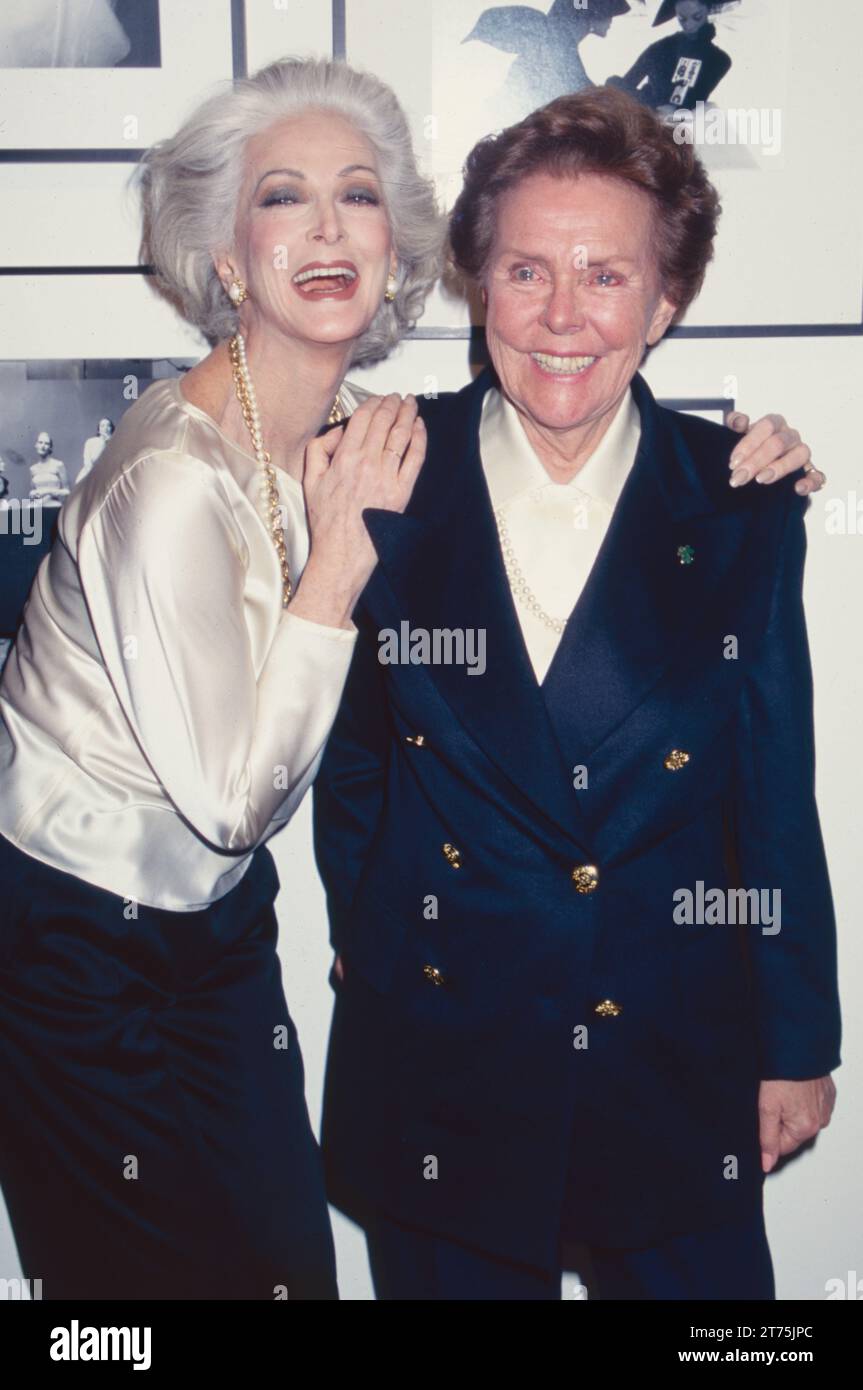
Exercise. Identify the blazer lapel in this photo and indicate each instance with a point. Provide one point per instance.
(441, 568)
(666, 550)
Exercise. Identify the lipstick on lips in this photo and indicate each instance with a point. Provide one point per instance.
(326, 280)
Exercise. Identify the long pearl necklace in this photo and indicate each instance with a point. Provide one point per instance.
(269, 490)
(523, 593)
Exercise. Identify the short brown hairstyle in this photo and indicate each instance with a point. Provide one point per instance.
(602, 131)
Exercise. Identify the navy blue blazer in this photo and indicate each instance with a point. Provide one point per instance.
(510, 1053)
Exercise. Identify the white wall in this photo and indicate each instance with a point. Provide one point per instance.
(814, 1205)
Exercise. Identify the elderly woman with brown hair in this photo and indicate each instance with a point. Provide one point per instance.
(587, 986)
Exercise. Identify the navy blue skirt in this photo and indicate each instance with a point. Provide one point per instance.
(154, 1135)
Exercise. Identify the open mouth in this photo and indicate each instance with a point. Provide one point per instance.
(562, 366)
(319, 281)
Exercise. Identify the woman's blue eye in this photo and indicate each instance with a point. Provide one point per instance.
(607, 275)
(524, 273)
(362, 195)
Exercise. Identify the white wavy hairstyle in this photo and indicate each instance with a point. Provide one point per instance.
(189, 188)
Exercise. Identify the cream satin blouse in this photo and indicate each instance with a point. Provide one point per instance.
(161, 714)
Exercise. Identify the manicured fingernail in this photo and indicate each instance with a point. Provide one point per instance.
(740, 477)
(767, 476)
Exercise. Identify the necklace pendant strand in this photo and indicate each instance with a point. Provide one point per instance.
(522, 592)
(269, 488)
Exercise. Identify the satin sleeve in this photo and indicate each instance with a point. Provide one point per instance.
(162, 564)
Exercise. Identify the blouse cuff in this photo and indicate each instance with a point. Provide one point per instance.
(335, 634)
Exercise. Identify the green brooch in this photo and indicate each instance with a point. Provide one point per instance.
(685, 554)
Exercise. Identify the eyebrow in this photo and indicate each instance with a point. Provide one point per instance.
(298, 173)
(521, 255)
(541, 260)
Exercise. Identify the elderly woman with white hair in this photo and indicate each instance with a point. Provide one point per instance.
(166, 704)
(168, 697)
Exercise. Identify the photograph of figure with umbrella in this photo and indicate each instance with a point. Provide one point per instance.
(548, 63)
(673, 74)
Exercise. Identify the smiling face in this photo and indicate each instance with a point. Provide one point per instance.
(573, 295)
(312, 241)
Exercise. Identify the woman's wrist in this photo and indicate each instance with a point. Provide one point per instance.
(323, 598)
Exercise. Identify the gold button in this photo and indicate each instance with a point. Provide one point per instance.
(418, 740)
(586, 878)
(607, 1008)
(432, 973)
(452, 856)
(676, 759)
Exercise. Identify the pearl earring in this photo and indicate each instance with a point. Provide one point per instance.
(237, 292)
(390, 292)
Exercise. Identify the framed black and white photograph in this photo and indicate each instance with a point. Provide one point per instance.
(80, 34)
(722, 72)
(63, 403)
(57, 417)
(97, 75)
(224, 36)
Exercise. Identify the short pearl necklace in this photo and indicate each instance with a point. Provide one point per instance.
(517, 581)
(269, 490)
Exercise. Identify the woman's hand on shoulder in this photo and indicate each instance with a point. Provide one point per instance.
(373, 461)
(770, 450)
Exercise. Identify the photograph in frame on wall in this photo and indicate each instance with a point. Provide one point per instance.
(105, 75)
(80, 34)
(66, 400)
(263, 30)
(57, 419)
(749, 88)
